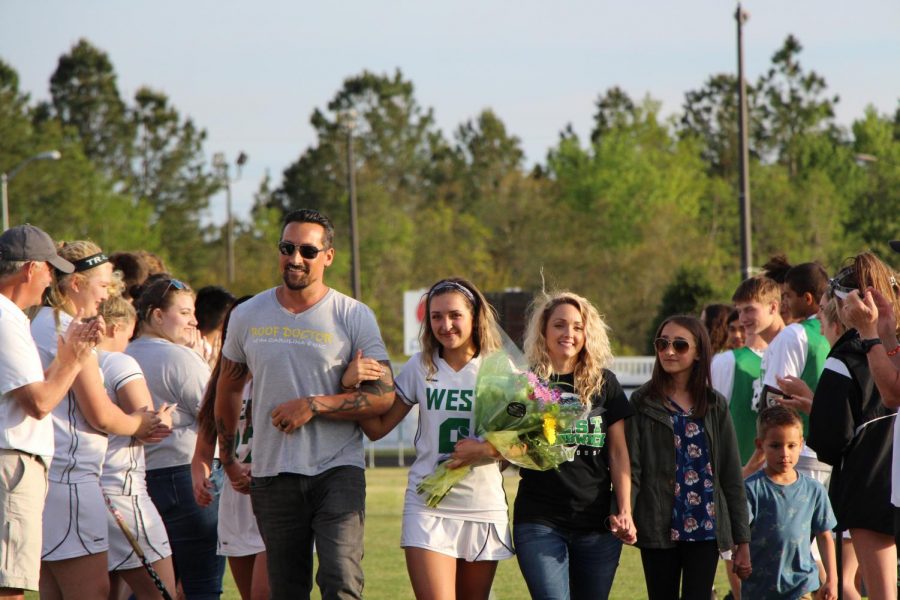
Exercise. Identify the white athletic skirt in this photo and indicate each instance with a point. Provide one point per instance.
(74, 521)
(145, 525)
(238, 532)
(469, 540)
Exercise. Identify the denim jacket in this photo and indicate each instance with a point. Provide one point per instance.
(651, 447)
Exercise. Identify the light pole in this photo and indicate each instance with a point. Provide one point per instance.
(5, 178)
(221, 166)
(349, 121)
(744, 194)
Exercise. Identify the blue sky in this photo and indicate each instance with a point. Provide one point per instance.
(251, 73)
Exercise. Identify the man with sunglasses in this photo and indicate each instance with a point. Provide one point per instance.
(308, 483)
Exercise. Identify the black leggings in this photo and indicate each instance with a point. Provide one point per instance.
(693, 563)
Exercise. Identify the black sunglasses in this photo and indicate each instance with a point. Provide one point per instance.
(680, 345)
(307, 251)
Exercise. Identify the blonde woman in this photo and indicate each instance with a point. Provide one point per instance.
(75, 540)
(568, 531)
(124, 469)
(452, 550)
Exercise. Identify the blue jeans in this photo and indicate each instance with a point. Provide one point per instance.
(293, 512)
(192, 531)
(559, 564)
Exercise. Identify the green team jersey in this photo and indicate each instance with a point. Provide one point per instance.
(746, 371)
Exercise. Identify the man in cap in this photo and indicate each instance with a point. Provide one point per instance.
(27, 395)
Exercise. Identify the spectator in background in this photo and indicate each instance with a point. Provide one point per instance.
(776, 270)
(134, 271)
(715, 319)
(155, 264)
(212, 304)
(736, 334)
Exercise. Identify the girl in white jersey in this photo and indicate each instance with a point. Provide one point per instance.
(75, 540)
(124, 469)
(452, 550)
(239, 537)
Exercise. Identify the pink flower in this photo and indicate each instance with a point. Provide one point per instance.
(711, 509)
(693, 498)
(707, 484)
(677, 489)
(675, 535)
(691, 477)
(691, 429)
(690, 524)
(707, 525)
(694, 451)
(677, 442)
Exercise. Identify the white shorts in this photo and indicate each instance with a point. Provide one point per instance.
(238, 532)
(145, 525)
(74, 521)
(469, 540)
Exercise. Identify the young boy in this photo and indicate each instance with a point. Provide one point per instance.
(787, 509)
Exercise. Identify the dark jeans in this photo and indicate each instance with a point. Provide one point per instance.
(693, 563)
(192, 531)
(294, 512)
(559, 564)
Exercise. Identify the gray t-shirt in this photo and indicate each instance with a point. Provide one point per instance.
(292, 356)
(175, 375)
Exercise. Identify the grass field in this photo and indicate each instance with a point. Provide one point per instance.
(385, 569)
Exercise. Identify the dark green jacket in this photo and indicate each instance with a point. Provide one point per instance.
(651, 446)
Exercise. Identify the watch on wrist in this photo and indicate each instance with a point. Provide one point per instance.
(869, 344)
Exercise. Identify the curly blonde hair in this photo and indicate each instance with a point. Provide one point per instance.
(485, 334)
(594, 356)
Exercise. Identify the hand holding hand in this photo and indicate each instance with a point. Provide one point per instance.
(239, 476)
(741, 560)
(147, 429)
(201, 484)
(622, 526)
(361, 369)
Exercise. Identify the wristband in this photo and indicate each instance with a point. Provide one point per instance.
(893, 353)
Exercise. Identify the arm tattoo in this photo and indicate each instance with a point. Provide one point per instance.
(380, 387)
(226, 443)
(358, 400)
(234, 370)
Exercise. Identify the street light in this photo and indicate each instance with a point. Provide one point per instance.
(348, 119)
(221, 166)
(5, 178)
(741, 16)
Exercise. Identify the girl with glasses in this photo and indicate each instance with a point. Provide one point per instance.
(569, 527)
(689, 499)
(452, 550)
(177, 375)
(75, 530)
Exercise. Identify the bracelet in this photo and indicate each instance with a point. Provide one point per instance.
(893, 353)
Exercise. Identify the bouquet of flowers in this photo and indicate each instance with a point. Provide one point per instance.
(519, 414)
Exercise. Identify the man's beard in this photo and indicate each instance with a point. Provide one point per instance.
(295, 279)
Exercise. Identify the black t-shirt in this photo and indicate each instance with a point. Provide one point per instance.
(577, 496)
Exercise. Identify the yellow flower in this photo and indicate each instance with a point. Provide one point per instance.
(550, 428)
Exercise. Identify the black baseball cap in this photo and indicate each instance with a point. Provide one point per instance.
(28, 243)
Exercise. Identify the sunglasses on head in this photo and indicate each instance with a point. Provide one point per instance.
(307, 251)
(680, 345)
(838, 290)
(174, 284)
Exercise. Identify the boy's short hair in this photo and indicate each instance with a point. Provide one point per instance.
(776, 416)
(808, 278)
(757, 289)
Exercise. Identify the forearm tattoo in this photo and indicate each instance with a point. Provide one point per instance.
(380, 387)
(234, 370)
(357, 400)
(226, 443)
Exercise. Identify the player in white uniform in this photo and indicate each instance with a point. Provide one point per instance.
(239, 537)
(73, 558)
(455, 546)
(123, 479)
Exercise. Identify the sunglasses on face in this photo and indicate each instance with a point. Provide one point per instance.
(679, 345)
(307, 251)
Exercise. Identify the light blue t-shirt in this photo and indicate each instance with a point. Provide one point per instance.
(783, 519)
